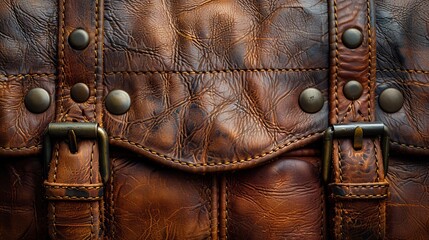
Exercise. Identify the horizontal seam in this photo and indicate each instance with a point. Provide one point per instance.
(363, 186)
(40, 146)
(20, 148)
(73, 197)
(416, 71)
(272, 151)
(62, 187)
(364, 195)
(28, 75)
(408, 145)
(217, 71)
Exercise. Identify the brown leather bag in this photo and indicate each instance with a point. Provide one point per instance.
(219, 119)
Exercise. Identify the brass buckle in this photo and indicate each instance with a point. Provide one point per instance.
(358, 131)
(74, 131)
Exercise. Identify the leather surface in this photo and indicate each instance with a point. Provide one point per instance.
(214, 87)
(402, 50)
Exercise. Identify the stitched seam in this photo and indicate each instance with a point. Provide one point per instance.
(73, 197)
(20, 148)
(340, 167)
(62, 187)
(364, 186)
(415, 71)
(336, 66)
(369, 59)
(56, 161)
(341, 221)
(192, 72)
(54, 220)
(274, 150)
(226, 207)
(369, 109)
(349, 109)
(92, 221)
(377, 170)
(364, 195)
(40, 146)
(322, 223)
(210, 210)
(112, 201)
(410, 146)
(27, 75)
(61, 57)
(380, 220)
(90, 164)
(96, 56)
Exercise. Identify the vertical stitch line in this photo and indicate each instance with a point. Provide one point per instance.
(97, 18)
(379, 221)
(322, 204)
(57, 146)
(54, 220)
(368, 4)
(226, 207)
(210, 209)
(90, 164)
(92, 220)
(336, 66)
(61, 57)
(370, 58)
(112, 201)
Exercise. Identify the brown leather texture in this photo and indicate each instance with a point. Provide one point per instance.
(215, 144)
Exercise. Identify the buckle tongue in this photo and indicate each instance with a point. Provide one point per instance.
(357, 131)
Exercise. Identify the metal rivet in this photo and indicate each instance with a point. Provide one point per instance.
(353, 90)
(79, 92)
(352, 38)
(37, 100)
(79, 39)
(118, 102)
(391, 100)
(311, 100)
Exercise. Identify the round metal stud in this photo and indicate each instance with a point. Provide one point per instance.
(391, 100)
(79, 39)
(37, 100)
(79, 92)
(352, 38)
(353, 90)
(118, 102)
(311, 100)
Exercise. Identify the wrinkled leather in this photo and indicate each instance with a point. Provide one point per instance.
(214, 87)
(213, 84)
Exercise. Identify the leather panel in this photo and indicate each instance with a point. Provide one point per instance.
(146, 201)
(280, 200)
(408, 203)
(402, 62)
(22, 209)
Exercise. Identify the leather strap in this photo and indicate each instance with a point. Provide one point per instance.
(358, 188)
(74, 189)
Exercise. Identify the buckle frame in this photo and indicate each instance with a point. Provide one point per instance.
(81, 130)
(358, 131)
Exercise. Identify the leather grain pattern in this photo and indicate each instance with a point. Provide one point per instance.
(215, 145)
(402, 50)
(212, 84)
